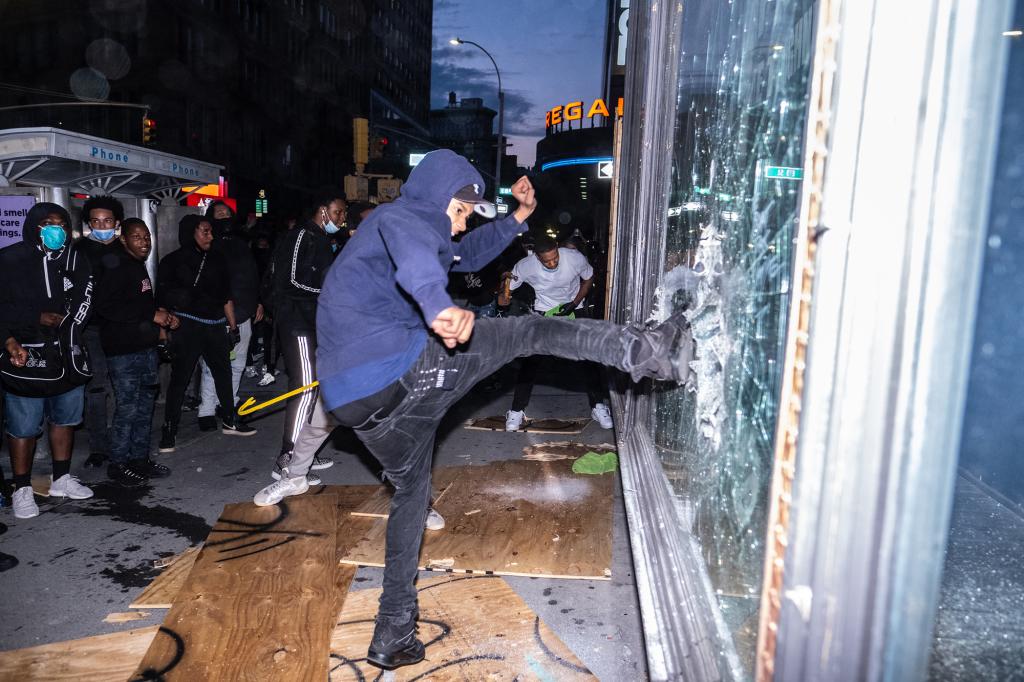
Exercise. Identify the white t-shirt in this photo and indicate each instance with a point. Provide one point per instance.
(553, 287)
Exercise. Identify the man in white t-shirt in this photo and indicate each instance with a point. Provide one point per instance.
(561, 279)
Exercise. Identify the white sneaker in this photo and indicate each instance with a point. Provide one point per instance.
(602, 415)
(24, 503)
(267, 379)
(311, 477)
(278, 490)
(69, 486)
(434, 520)
(514, 420)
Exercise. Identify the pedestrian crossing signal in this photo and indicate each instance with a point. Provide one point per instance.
(148, 131)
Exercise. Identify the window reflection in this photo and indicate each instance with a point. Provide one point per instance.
(732, 216)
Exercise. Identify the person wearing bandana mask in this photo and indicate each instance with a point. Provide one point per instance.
(101, 227)
(42, 279)
(301, 261)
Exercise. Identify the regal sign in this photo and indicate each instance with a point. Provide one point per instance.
(573, 111)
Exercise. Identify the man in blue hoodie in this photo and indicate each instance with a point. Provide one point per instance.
(395, 353)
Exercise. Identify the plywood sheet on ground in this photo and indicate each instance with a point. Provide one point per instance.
(515, 518)
(259, 602)
(562, 449)
(103, 657)
(497, 423)
(379, 505)
(160, 593)
(474, 628)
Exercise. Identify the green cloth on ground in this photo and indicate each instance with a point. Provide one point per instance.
(596, 463)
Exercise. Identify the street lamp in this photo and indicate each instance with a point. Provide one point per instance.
(501, 113)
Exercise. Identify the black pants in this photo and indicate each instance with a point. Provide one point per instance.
(194, 340)
(528, 376)
(299, 349)
(399, 423)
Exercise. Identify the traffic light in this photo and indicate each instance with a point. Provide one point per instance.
(148, 131)
(378, 146)
(360, 141)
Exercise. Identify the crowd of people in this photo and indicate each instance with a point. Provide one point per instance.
(356, 299)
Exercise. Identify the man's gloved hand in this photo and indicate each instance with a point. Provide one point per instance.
(566, 309)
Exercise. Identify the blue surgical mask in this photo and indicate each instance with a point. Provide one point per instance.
(103, 235)
(53, 236)
(330, 227)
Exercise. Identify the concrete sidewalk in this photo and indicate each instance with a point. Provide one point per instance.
(81, 560)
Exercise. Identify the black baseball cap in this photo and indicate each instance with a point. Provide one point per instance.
(473, 194)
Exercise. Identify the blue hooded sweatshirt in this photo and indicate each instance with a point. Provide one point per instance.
(388, 284)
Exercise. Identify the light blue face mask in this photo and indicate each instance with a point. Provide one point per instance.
(103, 235)
(53, 236)
(330, 227)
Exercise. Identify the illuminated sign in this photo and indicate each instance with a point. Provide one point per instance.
(783, 173)
(573, 111)
(414, 159)
(620, 44)
(583, 161)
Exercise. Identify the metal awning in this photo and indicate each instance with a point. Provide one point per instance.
(52, 157)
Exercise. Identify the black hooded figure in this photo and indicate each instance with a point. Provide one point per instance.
(243, 289)
(192, 282)
(44, 284)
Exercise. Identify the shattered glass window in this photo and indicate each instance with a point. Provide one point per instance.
(733, 208)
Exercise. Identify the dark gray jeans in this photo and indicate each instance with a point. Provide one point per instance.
(96, 392)
(399, 423)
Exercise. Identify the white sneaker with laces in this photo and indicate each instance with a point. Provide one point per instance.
(602, 415)
(514, 420)
(434, 520)
(69, 486)
(267, 379)
(311, 477)
(278, 490)
(24, 503)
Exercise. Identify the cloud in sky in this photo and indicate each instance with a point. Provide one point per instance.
(548, 53)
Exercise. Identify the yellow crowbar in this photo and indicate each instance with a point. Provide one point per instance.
(250, 406)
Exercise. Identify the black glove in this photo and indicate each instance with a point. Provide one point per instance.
(164, 352)
(566, 309)
(234, 337)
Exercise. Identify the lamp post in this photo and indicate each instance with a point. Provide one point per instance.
(501, 113)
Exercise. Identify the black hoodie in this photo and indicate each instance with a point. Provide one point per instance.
(243, 274)
(34, 280)
(192, 281)
(125, 307)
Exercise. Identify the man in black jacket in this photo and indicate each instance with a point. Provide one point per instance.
(130, 329)
(43, 284)
(101, 223)
(300, 263)
(243, 285)
(192, 282)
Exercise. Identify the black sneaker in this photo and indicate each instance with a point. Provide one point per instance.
(661, 352)
(95, 459)
(320, 463)
(167, 434)
(208, 423)
(394, 645)
(235, 427)
(7, 562)
(126, 475)
(151, 468)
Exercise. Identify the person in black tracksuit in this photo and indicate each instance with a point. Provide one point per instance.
(193, 283)
(102, 216)
(130, 326)
(301, 262)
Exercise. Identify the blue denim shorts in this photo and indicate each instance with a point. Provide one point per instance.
(24, 416)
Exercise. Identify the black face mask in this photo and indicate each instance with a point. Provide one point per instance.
(221, 226)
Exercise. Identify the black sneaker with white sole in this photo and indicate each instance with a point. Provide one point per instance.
(394, 644)
(152, 469)
(321, 463)
(662, 351)
(167, 438)
(126, 475)
(236, 427)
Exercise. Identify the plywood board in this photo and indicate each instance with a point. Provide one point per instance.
(259, 602)
(160, 593)
(515, 518)
(378, 506)
(562, 449)
(474, 628)
(564, 426)
(103, 657)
